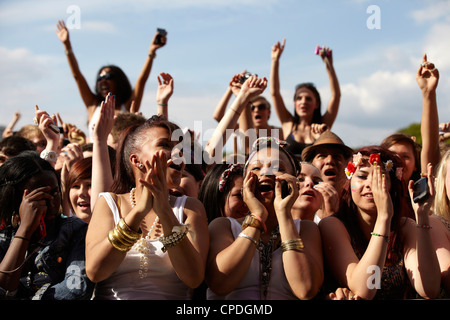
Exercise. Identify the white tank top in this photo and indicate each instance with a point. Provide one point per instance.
(250, 286)
(161, 281)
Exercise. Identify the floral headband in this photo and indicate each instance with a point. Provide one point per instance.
(225, 175)
(374, 157)
(266, 141)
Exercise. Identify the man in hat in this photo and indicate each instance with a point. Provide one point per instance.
(330, 155)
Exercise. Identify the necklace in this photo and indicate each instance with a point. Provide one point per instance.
(142, 245)
(265, 259)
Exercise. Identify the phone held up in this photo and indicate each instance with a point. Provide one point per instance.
(246, 76)
(161, 33)
(421, 192)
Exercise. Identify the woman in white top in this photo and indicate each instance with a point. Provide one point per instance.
(151, 265)
(267, 254)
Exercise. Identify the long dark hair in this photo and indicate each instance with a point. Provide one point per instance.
(347, 212)
(14, 175)
(123, 85)
(317, 116)
(131, 141)
(212, 198)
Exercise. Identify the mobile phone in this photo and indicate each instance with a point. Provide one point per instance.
(161, 33)
(246, 76)
(284, 189)
(420, 193)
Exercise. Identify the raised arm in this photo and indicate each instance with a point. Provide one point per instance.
(88, 97)
(163, 94)
(138, 90)
(102, 177)
(253, 86)
(333, 105)
(427, 78)
(283, 114)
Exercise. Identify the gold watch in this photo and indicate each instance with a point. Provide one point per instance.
(250, 221)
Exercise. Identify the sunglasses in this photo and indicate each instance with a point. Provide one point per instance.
(105, 76)
(261, 106)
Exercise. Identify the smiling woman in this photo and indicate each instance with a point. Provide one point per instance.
(143, 243)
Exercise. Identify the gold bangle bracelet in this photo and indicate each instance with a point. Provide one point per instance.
(127, 231)
(124, 240)
(116, 243)
(294, 244)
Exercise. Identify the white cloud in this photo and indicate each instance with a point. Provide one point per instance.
(437, 10)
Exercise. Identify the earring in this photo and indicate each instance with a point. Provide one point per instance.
(140, 166)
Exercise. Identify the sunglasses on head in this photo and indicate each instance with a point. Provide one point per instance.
(105, 76)
(261, 106)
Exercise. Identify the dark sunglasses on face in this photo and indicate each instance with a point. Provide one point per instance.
(261, 106)
(105, 76)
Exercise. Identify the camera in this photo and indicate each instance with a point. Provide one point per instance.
(246, 76)
(420, 193)
(161, 33)
(284, 189)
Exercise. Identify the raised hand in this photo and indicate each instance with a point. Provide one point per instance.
(423, 208)
(253, 86)
(165, 88)
(284, 205)
(155, 181)
(248, 192)
(62, 32)
(106, 120)
(427, 76)
(277, 49)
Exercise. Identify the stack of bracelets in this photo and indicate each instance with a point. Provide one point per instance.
(122, 237)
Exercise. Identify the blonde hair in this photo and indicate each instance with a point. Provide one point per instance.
(441, 201)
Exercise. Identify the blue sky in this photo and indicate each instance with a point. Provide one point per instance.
(211, 40)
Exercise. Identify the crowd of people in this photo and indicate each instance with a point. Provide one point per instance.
(123, 212)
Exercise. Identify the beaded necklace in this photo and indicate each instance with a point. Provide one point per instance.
(265, 259)
(141, 245)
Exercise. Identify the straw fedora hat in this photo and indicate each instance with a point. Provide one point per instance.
(327, 138)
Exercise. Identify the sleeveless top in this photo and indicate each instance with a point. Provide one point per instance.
(294, 146)
(161, 281)
(250, 286)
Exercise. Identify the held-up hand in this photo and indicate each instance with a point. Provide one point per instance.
(427, 76)
(47, 125)
(248, 192)
(284, 205)
(423, 208)
(155, 181)
(62, 32)
(165, 88)
(253, 87)
(155, 46)
(380, 191)
(277, 49)
(106, 120)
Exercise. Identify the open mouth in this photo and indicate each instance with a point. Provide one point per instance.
(85, 206)
(265, 187)
(330, 173)
(258, 117)
(309, 193)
